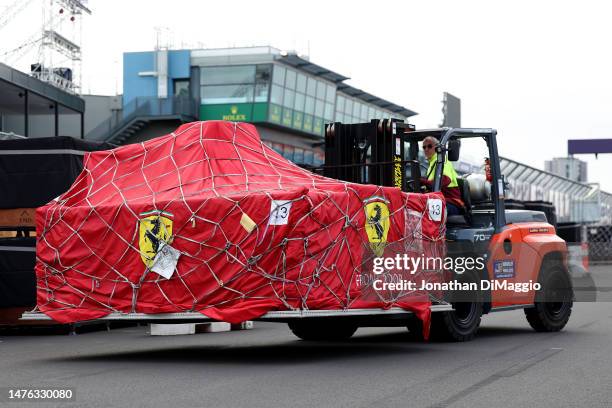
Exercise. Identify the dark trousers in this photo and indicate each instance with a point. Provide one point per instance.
(452, 209)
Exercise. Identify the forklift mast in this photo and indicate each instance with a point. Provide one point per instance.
(367, 153)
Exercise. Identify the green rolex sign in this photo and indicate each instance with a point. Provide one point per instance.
(235, 115)
(235, 112)
(261, 112)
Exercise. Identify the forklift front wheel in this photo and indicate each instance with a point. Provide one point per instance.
(554, 301)
(459, 325)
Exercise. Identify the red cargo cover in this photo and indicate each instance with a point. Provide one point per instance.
(252, 231)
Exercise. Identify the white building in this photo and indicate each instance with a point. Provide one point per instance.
(568, 167)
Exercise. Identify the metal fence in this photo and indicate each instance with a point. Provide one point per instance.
(574, 201)
(599, 238)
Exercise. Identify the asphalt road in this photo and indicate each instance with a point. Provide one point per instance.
(507, 365)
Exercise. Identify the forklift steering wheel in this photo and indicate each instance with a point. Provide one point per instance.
(413, 182)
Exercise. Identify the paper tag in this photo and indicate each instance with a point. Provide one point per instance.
(247, 223)
(279, 212)
(165, 260)
(398, 145)
(434, 205)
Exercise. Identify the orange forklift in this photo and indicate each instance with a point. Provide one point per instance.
(520, 248)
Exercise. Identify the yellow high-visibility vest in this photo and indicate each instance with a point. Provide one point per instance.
(448, 170)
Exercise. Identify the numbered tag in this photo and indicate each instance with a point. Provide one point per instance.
(434, 206)
(279, 212)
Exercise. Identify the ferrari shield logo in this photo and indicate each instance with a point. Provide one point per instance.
(155, 227)
(377, 223)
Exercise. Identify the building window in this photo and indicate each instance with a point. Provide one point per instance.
(306, 101)
(312, 87)
(319, 108)
(310, 105)
(227, 75)
(279, 75)
(276, 95)
(331, 94)
(348, 107)
(235, 84)
(299, 102)
(181, 87)
(213, 94)
(364, 112)
(290, 79)
(329, 112)
(356, 110)
(321, 90)
(261, 92)
(340, 103)
(301, 83)
(262, 74)
(288, 98)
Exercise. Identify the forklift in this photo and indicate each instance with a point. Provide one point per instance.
(519, 246)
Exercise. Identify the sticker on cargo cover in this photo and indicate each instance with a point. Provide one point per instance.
(503, 269)
(377, 223)
(155, 227)
(434, 205)
(279, 212)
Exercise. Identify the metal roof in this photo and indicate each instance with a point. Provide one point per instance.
(375, 100)
(313, 69)
(300, 63)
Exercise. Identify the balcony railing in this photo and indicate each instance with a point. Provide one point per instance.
(145, 107)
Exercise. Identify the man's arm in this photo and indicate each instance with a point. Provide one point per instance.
(429, 183)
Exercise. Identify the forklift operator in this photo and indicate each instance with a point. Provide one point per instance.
(450, 187)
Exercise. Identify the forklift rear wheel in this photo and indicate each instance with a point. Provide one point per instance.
(322, 331)
(554, 301)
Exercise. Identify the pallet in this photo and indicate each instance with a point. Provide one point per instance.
(193, 328)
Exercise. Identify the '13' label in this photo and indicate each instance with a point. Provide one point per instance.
(279, 212)
(435, 209)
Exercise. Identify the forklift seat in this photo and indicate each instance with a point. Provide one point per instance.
(465, 218)
(466, 195)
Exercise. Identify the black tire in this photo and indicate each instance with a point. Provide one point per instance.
(458, 325)
(554, 301)
(322, 330)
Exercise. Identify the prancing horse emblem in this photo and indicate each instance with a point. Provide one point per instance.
(377, 223)
(155, 227)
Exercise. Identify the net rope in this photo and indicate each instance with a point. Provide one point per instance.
(212, 181)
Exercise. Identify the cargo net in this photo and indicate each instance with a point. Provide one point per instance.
(210, 219)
